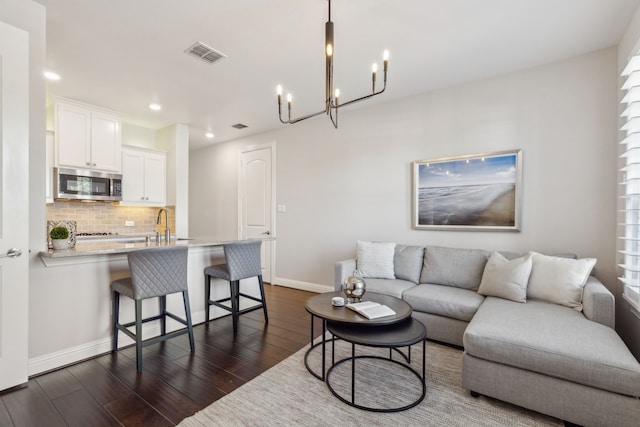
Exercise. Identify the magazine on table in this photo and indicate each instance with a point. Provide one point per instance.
(370, 309)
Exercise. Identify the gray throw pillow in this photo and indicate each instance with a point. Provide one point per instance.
(461, 268)
(407, 262)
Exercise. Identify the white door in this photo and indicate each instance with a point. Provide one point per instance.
(257, 200)
(14, 205)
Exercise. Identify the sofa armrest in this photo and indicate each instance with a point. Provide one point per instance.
(343, 270)
(598, 304)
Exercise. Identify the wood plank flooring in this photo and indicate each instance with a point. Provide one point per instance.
(107, 391)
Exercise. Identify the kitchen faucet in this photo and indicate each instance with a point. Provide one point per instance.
(167, 231)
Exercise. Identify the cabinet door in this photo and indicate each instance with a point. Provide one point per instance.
(73, 126)
(132, 177)
(105, 142)
(155, 178)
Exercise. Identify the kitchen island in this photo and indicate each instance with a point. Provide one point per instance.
(72, 286)
(97, 248)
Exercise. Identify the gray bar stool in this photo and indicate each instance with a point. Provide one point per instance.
(242, 262)
(155, 272)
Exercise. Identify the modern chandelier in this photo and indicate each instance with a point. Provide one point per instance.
(332, 98)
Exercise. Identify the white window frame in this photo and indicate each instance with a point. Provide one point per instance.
(629, 227)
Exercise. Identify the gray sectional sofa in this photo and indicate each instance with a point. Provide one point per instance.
(558, 357)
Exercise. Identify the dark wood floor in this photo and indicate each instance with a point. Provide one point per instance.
(107, 391)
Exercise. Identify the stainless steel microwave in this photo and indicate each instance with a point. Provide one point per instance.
(81, 184)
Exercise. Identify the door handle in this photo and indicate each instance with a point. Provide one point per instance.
(268, 233)
(12, 253)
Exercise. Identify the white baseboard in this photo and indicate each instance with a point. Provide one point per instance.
(304, 286)
(68, 356)
(71, 355)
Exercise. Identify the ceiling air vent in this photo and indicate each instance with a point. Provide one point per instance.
(206, 53)
(239, 126)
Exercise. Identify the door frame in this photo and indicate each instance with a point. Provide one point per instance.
(271, 244)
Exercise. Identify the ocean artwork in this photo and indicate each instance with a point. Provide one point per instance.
(468, 192)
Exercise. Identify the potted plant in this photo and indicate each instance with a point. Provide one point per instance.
(59, 237)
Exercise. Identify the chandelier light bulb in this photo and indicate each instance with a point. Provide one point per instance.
(374, 68)
(385, 55)
(279, 90)
(337, 93)
(289, 98)
(329, 50)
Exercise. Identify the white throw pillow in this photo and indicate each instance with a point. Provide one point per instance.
(376, 259)
(506, 279)
(559, 280)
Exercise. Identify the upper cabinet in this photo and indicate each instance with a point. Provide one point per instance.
(144, 177)
(87, 137)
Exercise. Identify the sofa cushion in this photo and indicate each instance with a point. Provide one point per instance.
(448, 301)
(552, 340)
(393, 287)
(407, 262)
(505, 278)
(375, 259)
(461, 268)
(559, 280)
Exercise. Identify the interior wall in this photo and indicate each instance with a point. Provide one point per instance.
(355, 182)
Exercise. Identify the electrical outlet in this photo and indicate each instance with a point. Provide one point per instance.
(129, 223)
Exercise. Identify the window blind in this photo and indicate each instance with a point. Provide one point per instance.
(630, 180)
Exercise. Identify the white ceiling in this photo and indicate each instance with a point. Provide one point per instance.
(123, 54)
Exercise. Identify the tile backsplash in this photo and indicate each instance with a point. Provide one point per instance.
(109, 217)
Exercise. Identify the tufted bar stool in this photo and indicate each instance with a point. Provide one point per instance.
(242, 262)
(155, 272)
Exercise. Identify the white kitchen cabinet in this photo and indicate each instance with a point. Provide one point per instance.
(87, 137)
(49, 141)
(144, 177)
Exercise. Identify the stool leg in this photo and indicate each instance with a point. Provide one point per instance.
(235, 303)
(116, 317)
(139, 335)
(187, 311)
(163, 312)
(207, 296)
(264, 300)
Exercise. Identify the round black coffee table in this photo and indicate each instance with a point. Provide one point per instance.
(320, 306)
(393, 336)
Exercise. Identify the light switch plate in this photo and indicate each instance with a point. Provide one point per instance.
(129, 223)
(282, 208)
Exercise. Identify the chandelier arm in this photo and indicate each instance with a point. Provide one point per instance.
(335, 122)
(353, 101)
(299, 119)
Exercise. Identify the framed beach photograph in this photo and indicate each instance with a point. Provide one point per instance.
(473, 192)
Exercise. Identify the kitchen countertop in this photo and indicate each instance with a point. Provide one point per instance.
(86, 249)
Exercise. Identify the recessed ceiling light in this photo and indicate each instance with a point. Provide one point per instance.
(155, 107)
(209, 135)
(50, 75)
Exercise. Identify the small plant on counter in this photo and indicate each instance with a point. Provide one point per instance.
(59, 233)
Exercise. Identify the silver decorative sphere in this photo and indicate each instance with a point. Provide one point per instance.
(354, 288)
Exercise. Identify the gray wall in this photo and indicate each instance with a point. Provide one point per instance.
(355, 182)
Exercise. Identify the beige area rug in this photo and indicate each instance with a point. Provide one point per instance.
(288, 395)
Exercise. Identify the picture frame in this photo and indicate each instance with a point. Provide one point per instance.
(473, 192)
